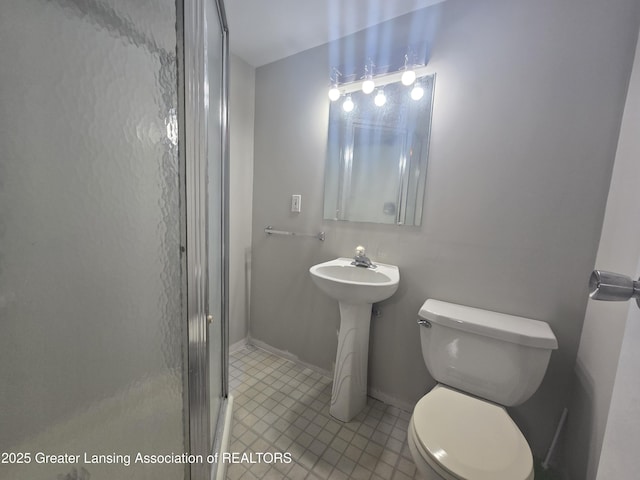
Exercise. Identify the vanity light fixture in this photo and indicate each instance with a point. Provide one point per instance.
(417, 92)
(348, 105)
(343, 90)
(368, 85)
(379, 80)
(408, 74)
(380, 98)
(408, 77)
(334, 91)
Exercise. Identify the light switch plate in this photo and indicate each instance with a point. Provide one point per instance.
(296, 200)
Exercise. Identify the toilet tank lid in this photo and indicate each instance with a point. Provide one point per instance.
(510, 328)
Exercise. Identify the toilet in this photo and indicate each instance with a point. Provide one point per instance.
(484, 361)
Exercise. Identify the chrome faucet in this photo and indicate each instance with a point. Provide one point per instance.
(361, 260)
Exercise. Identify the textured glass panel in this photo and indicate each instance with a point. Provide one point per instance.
(90, 281)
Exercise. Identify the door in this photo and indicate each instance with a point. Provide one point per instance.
(92, 332)
(620, 244)
(217, 225)
(205, 120)
(619, 456)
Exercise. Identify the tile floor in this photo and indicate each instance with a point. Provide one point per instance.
(280, 406)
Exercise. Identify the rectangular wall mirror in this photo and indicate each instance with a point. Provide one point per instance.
(377, 155)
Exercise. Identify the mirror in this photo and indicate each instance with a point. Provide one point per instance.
(377, 156)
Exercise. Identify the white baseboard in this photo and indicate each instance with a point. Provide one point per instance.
(287, 356)
(239, 345)
(391, 400)
(372, 392)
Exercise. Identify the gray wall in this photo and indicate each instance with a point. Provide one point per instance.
(241, 117)
(598, 372)
(529, 97)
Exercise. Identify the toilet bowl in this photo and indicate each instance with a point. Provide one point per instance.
(457, 436)
(484, 361)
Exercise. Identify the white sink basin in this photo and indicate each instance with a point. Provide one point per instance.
(355, 285)
(355, 289)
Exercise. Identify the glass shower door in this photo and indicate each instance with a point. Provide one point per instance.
(92, 329)
(206, 165)
(215, 228)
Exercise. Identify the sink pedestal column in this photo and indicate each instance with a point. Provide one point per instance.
(349, 394)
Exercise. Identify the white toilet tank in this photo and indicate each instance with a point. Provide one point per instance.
(495, 356)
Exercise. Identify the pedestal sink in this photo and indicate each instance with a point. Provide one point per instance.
(355, 289)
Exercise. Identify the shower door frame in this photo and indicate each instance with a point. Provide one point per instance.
(194, 122)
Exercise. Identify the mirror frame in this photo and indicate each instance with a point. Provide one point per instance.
(396, 115)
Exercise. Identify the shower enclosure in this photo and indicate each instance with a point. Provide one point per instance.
(113, 165)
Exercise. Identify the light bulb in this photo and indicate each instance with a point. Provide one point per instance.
(408, 77)
(334, 93)
(417, 92)
(380, 99)
(347, 106)
(368, 86)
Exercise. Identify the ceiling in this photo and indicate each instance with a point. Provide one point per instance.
(263, 31)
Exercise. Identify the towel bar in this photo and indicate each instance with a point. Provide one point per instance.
(271, 231)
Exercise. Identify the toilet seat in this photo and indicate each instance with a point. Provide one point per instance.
(464, 437)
